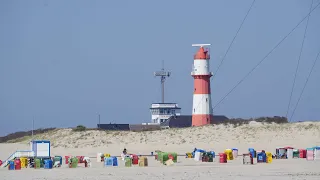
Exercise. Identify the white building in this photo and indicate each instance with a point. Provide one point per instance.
(160, 112)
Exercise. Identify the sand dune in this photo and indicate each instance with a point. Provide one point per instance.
(213, 137)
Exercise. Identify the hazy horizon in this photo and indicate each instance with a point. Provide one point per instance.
(64, 62)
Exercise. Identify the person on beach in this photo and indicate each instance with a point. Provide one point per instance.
(124, 153)
(70, 162)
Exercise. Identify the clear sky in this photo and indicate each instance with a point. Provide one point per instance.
(64, 62)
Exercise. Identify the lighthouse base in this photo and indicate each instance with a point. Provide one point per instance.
(201, 119)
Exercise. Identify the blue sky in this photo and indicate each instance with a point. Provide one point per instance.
(65, 62)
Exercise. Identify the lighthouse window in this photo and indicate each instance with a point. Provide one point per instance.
(194, 110)
(195, 89)
(206, 99)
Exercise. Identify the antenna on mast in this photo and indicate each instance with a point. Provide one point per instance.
(163, 74)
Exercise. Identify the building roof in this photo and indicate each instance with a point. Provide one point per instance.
(128, 127)
(142, 127)
(115, 127)
(186, 121)
(164, 103)
(178, 121)
(219, 118)
(166, 108)
(40, 141)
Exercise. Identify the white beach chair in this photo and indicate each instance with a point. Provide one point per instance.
(88, 161)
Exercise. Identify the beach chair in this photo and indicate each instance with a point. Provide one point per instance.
(282, 156)
(56, 164)
(87, 159)
(122, 156)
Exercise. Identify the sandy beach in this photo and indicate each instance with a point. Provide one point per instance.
(184, 169)
(217, 138)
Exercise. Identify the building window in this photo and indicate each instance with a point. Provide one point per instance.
(195, 89)
(206, 99)
(194, 110)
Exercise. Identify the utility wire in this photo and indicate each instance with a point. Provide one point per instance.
(228, 49)
(265, 57)
(233, 39)
(296, 72)
(305, 84)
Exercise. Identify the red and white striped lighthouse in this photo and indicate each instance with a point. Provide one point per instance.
(202, 106)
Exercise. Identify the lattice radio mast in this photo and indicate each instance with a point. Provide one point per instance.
(163, 74)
